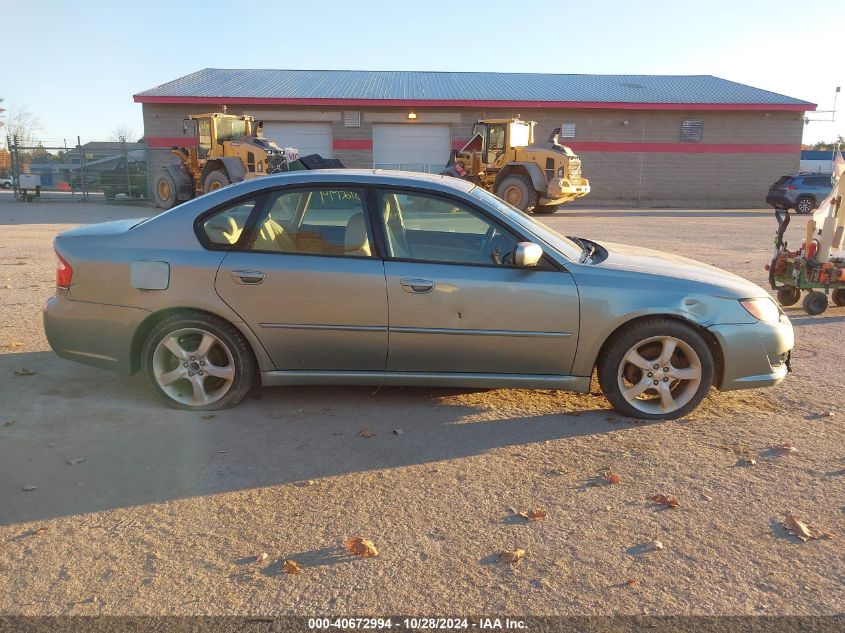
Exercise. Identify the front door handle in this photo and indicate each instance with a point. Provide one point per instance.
(416, 286)
(247, 277)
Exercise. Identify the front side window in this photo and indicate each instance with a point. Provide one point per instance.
(497, 138)
(431, 228)
(224, 228)
(314, 221)
(204, 131)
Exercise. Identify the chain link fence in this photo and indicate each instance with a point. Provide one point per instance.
(115, 171)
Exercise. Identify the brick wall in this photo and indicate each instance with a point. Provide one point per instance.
(630, 178)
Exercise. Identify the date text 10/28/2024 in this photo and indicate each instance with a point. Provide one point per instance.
(416, 624)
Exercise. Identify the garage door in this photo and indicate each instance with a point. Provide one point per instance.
(308, 138)
(411, 146)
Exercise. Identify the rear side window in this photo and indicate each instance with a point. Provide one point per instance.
(819, 181)
(782, 180)
(224, 228)
(314, 221)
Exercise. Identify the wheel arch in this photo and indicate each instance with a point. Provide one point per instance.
(707, 335)
(181, 178)
(150, 322)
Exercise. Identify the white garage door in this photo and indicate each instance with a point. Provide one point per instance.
(308, 138)
(411, 146)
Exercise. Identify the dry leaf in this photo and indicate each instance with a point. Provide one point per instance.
(802, 530)
(8, 423)
(210, 416)
(361, 547)
(787, 448)
(613, 478)
(23, 371)
(366, 433)
(73, 461)
(398, 432)
(536, 514)
(656, 545)
(747, 461)
(260, 558)
(14, 345)
(292, 567)
(512, 556)
(29, 488)
(631, 581)
(670, 501)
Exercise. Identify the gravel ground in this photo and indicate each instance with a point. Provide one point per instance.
(167, 510)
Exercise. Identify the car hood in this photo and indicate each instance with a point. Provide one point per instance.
(652, 262)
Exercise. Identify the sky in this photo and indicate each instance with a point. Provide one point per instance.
(77, 64)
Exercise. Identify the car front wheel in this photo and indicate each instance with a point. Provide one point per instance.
(656, 369)
(198, 362)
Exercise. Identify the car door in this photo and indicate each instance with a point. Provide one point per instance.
(307, 282)
(456, 302)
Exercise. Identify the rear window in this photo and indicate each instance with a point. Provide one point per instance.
(782, 180)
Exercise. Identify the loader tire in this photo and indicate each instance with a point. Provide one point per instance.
(165, 192)
(215, 180)
(518, 191)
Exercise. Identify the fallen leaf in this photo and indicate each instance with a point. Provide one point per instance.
(656, 545)
(631, 581)
(8, 423)
(670, 501)
(73, 461)
(512, 556)
(787, 448)
(398, 432)
(260, 558)
(747, 461)
(366, 433)
(613, 478)
(29, 488)
(24, 372)
(14, 345)
(802, 530)
(210, 416)
(361, 547)
(292, 567)
(535, 514)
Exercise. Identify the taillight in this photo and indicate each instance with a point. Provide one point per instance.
(64, 273)
(790, 187)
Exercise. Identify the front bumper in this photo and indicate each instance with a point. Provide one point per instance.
(92, 333)
(560, 190)
(755, 354)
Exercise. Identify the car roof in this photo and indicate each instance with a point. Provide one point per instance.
(368, 176)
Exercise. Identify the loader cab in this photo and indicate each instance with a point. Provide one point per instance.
(214, 129)
(494, 138)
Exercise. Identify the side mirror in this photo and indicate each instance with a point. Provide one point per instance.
(527, 254)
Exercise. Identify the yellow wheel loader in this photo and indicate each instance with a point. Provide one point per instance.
(502, 157)
(227, 149)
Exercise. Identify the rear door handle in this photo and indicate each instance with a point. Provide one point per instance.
(416, 286)
(247, 277)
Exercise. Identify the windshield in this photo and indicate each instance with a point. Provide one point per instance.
(230, 129)
(563, 244)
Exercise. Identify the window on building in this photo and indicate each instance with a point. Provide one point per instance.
(692, 130)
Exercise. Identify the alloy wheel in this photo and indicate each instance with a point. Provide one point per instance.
(193, 367)
(659, 375)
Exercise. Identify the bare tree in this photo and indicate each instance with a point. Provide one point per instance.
(2, 110)
(24, 125)
(122, 133)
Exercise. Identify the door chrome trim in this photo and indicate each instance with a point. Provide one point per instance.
(476, 332)
(426, 379)
(308, 326)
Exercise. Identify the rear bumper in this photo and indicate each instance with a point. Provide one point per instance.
(92, 333)
(780, 200)
(755, 354)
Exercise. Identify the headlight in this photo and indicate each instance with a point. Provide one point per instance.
(763, 309)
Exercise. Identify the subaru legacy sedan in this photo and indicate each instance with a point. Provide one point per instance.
(388, 278)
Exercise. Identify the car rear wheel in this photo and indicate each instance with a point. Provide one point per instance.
(815, 302)
(788, 295)
(198, 362)
(804, 205)
(656, 369)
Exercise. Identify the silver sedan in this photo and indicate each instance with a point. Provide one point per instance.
(390, 278)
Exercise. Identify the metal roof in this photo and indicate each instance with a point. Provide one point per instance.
(463, 88)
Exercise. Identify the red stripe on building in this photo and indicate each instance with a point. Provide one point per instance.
(170, 141)
(468, 103)
(352, 143)
(686, 148)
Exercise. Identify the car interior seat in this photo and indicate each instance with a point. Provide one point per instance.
(356, 241)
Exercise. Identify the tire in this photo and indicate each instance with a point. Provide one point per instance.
(7, 185)
(546, 209)
(815, 302)
(215, 180)
(521, 192)
(630, 355)
(805, 205)
(838, 297)
(165, 192)
(186, 380)
(788, 295)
